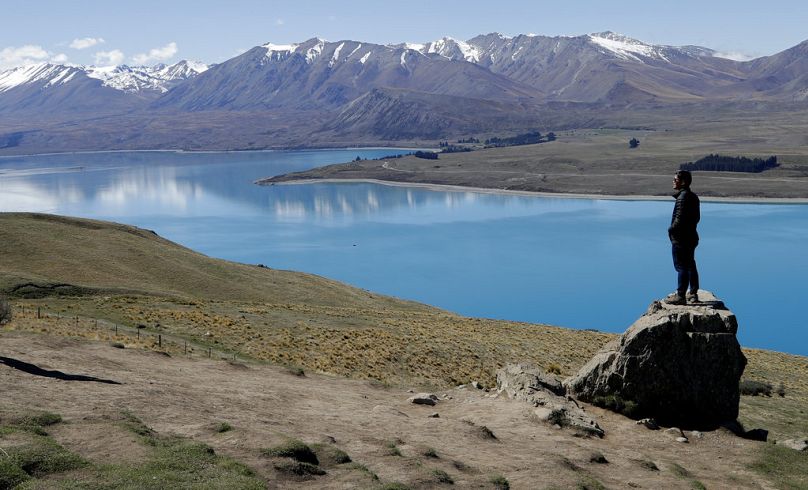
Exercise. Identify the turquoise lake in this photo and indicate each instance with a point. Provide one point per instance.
(580, 263)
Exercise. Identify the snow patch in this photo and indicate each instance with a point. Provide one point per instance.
(354, 51)
(625, 47)
(335, 57)
(365, 58)
(314, 52)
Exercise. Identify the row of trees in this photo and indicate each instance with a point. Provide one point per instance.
(721, 163)
(521, 139)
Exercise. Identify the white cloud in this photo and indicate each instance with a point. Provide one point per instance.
(157, 54)
(86, 42)
(59, 58)
(280, 22)
(24, 55)
(109, 58)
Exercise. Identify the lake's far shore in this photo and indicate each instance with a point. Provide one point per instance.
(558, 195)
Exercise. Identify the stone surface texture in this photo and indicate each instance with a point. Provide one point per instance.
(527, 383)
(679, 364)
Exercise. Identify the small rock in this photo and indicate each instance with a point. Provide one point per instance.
(556, 426)
(681, 439)
(696, 434)
(796, 444)
(410, 391)
(675, 431)
(435, 415)
(476, 385)
(649, 423)
(543, 413)
(424, 399)
(460, 387)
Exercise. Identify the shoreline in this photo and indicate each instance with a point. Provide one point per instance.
(265, 150)
(559, 195)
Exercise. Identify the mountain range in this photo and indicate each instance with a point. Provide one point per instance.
(351, 90)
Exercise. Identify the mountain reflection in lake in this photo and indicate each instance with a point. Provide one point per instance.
(581, 263)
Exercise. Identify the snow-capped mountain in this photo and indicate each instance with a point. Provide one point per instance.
(366, 91)
(159, 78)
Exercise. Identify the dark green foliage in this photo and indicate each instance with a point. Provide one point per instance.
(633, 143)
(455, 149)
(135, 425)
(500, 482)
(5, 311)
(223, 427)
(442, 477)
(617, 404)
(428, 155)
(11, 475)
(522, 139)
(294, 449)
(469, 140)
(754, 388)
(721, 163)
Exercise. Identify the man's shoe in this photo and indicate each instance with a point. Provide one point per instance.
(675, 299)
(692, 297)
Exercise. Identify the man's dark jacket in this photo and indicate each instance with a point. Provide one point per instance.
(685, 217)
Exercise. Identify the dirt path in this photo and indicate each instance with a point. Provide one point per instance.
(267, 404)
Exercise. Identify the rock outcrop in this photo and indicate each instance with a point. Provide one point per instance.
(527, 383)
(678, 364)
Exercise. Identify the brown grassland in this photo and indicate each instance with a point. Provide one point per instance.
(117, 284)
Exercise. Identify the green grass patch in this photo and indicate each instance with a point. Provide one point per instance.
(783, 466)
(617, 404)
(360, 467)
(298, 468)
(223, 427)
(392, 449)
(43, 456)
(330, 455)
(294, 449)
(11, 474)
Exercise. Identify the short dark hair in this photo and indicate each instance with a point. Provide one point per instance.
(685, 176)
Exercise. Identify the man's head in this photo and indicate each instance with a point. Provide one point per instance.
(682, 180)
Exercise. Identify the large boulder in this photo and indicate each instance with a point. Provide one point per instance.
(678, 364)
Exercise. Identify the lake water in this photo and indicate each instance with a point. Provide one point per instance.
(579, 263)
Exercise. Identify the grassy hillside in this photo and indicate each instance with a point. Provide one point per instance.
(126, 285)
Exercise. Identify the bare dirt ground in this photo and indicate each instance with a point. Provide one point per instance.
(374, 424)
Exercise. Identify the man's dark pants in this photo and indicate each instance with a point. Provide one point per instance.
(685, 264)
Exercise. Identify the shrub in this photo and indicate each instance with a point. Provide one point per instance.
(554, 368)
(329, 455)
(11, 475)
(754, 388)
(442, 477)
(781, 390)
(223, 427)
(431, 453)
(294, 449)
(5, 311)
(615, 403)
(298, 468)
(500, 482)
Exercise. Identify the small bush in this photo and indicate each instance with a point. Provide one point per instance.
(392, 449)
(442, 477)
(117, 345)
(431, 453)
(294, 449)
(500, 482)
(781, 390)
(750, 387)
(617, 404)
(362, 468)
(11, 475)
(554, 369)
(5, 311)
(223, 427)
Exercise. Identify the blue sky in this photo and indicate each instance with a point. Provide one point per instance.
(148, 31)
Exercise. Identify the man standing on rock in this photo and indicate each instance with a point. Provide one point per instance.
(684, 239)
